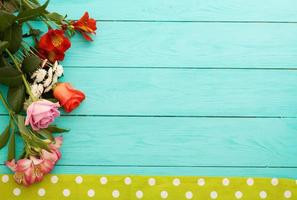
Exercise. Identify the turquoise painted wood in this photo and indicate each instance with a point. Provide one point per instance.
(183, 88)
(187, 45)
(174, 171)
(178, 142)
(184, 92)
(189, 10)
(182, 45)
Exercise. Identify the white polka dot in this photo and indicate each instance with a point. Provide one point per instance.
(5, 178)
(250, 181)
(189, 195)
(66, 192)
(91, 193)
(16, 191)
(128, 181)
(151, 181)
(41, 192)
(288, 194)
(238, 195)
(103, 180)
(139, 194)
(201, 182)
(54, 179)
(79, 179)
(274, 181)
(176, 182)
(164, 194)
(116, 194)
(213, 195)
(226, 182)
(263, 195)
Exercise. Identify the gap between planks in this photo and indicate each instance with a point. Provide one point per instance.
(191, 21)
(177, 166)
(196, 21)
(174, 116)
(184, 68)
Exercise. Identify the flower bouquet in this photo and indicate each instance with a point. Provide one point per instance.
(30, 68)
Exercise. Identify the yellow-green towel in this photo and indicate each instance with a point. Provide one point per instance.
(106, 187)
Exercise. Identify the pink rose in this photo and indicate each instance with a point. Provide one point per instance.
(40, 114)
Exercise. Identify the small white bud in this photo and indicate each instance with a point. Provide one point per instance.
(48, 81)
(39, 75)
(55, 66)
(60, 70)
(43, 63)
(37, 90)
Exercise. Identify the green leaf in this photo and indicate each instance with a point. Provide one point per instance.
(10, 76)
(21, 124)
(30, 13)
(26, 133)
(14, 37)
(6, 20)
(4, 137)
(3, 45)
(56, 17)
(31, 63)
(46, 134)
(16, 97)
(55, 129)
(11, 147)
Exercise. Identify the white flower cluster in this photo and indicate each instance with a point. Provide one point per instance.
(44, 80)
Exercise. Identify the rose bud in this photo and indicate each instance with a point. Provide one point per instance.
(40, 114)
(68, 97)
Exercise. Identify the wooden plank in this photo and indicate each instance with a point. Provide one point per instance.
(187, 45)
(189, 10)
(174, 171)
(185, 92)
(180, 92)
(178, 142)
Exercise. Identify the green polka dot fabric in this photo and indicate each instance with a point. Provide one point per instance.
(82, 187)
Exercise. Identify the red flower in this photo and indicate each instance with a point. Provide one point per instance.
(53, 45)
(52, 56)
(85, 25)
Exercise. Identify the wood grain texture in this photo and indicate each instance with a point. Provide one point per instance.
(177, 10)
(187, 45)
(178, 142)
(249, 93)
(211, 98)
(174, 171)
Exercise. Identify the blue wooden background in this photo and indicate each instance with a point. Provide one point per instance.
(183, 87)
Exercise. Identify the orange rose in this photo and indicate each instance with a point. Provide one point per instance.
(68, 97)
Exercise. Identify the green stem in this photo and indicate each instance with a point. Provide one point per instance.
(42, 18)
(23, 76)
